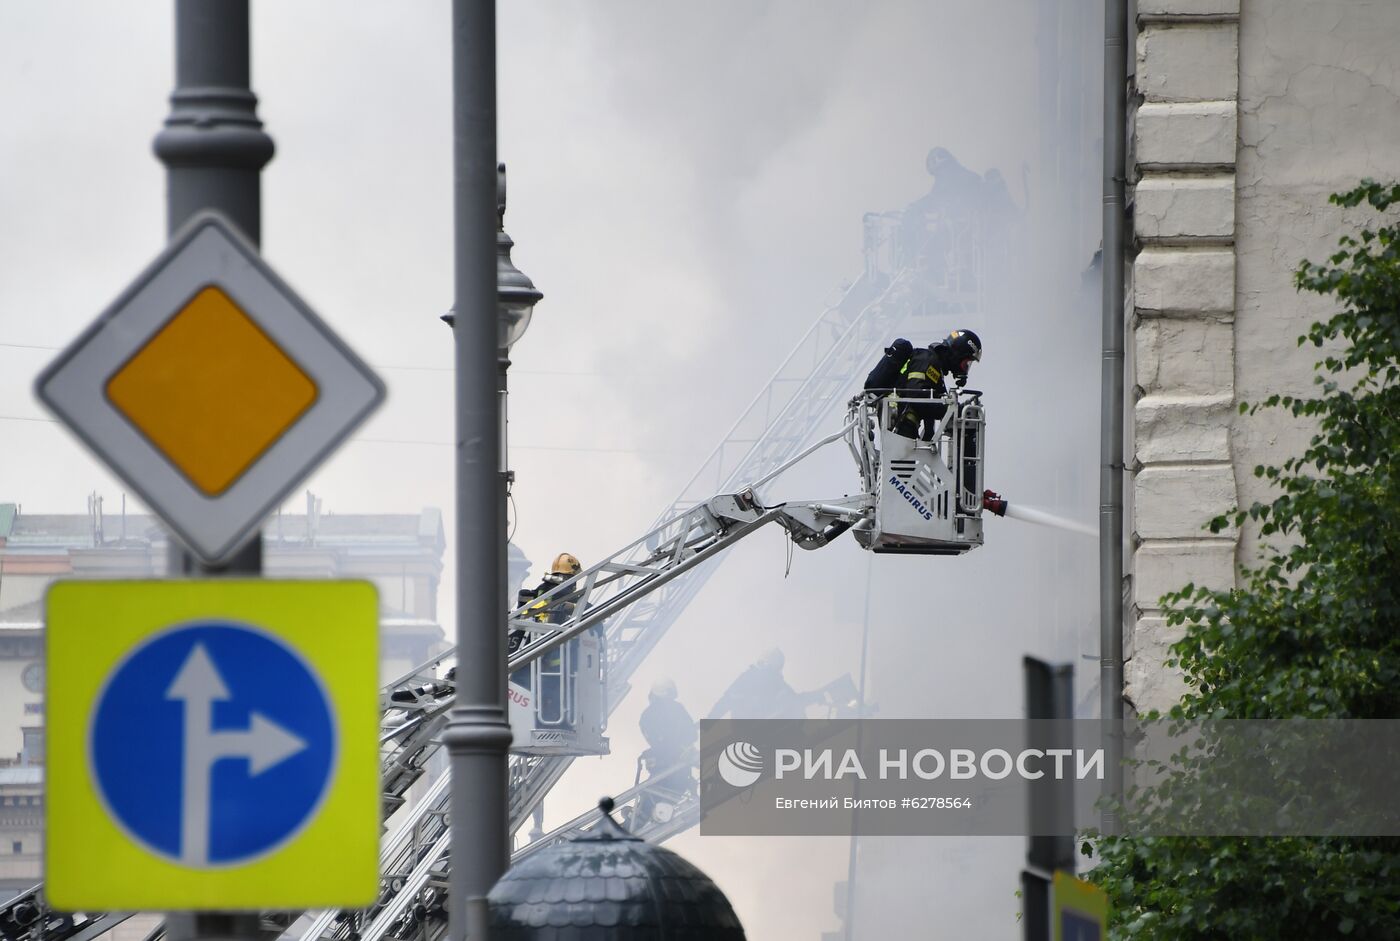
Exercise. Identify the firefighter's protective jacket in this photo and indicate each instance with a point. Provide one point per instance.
(554, 610)
(929, 364)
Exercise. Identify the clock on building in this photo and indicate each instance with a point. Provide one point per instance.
(33, 677)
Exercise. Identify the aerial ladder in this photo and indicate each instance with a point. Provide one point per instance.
(689, 533)
(780, 420)
(666, 801)
(777, 423)
(916, 496)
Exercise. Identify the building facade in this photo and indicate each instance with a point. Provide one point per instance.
(1244, 116)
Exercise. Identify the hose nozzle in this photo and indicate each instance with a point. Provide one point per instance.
(994, 502)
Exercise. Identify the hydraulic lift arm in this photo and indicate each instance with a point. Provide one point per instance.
(413, 856)
(415, 706)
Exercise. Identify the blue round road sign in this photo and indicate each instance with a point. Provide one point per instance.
(212, 743)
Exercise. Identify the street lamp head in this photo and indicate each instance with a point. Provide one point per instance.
(516, 294)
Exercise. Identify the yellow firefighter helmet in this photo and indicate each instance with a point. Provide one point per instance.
(565, 564)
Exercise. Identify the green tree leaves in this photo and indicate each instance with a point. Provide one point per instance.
(1312, 631)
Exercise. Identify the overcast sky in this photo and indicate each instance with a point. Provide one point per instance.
(687, 184)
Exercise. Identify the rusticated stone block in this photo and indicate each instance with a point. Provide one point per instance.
(1183, 134)
(1188, 62)
(1188, 8)
(1182, 428)
(1161, 567)
(1148, 682)
(1171, 281)
(1177, 502)
(1184, 356)
(1173, 207)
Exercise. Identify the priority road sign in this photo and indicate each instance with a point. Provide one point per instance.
(210, 388)
(212, 745)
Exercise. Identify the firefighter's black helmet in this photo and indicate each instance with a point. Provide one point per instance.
(964, 344)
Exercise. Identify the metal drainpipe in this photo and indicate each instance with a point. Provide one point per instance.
(1110, 434)
(1115, 104)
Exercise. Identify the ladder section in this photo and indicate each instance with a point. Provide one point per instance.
(813, 379)
(414, 858)
(787, 413)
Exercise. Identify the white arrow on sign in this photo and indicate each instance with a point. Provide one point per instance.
(263, 744)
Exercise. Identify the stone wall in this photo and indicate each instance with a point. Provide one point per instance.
(1319, 110)
(1182, 337)
(1249, 113)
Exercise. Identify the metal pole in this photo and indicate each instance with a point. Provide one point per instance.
(1115, 105)
(478, 734)
(1035, 907)
(213, 145)
(214, 148)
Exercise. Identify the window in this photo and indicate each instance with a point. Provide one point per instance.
(33, 753)
(18, 847)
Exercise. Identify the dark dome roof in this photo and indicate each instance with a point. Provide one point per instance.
(608, 884)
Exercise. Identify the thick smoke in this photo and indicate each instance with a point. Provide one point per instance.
(688, 186)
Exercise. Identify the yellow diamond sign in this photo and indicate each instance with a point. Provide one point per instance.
(210, 388)
(211, 391)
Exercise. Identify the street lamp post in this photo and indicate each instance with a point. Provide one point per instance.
(214, 148)
(495, 307)
(516, 297)
(477, 736)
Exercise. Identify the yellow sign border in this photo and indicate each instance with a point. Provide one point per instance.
(1085, 899)
(90, 863)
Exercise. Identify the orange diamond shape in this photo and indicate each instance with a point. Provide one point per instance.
(211, 391)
